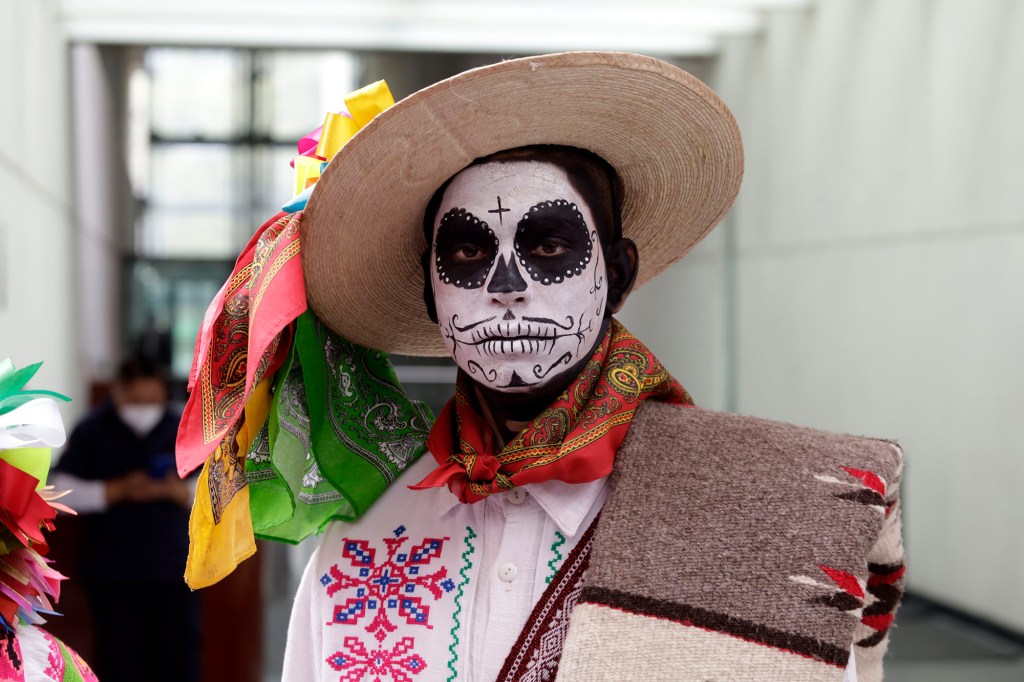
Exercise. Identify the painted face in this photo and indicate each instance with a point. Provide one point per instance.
(518, 274)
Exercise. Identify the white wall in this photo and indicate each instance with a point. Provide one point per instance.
(101, 192)
(38, 319)
(879, 265)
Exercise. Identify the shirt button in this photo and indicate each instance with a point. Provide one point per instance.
(517, 496)
(508, 572)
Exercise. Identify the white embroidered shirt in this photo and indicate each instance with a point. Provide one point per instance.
(423, 587)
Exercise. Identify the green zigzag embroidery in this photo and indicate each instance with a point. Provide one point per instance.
(464, 573)
(555, 560)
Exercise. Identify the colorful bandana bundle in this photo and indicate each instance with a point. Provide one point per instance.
(30, 425)
(574, 440)
(296, 426)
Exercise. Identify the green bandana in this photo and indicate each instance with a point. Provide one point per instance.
(340, 431)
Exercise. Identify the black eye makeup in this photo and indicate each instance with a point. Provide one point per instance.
(553, 242)
(464, 249)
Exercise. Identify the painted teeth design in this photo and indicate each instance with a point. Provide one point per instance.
(532, 346)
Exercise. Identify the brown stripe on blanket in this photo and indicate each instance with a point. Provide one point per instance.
(864, 496)
(717, 622)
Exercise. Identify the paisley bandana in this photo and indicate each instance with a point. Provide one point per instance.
(573, 440)
(244, 338)
(341, 429)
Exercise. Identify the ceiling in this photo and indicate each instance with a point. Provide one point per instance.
(682, 28)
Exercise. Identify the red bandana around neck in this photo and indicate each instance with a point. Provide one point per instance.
(573, 440)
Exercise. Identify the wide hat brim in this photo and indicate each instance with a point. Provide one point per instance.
(673, 142)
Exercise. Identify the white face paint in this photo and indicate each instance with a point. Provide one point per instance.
(518, 274)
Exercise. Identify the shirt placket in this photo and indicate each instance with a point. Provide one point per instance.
(511, 578)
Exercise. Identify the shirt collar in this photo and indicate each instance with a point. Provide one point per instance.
(566, 503)
(445, 499)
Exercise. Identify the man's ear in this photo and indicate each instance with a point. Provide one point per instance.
(428, 289)
(622, 261)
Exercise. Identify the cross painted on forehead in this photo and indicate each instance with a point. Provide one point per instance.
(499, 210)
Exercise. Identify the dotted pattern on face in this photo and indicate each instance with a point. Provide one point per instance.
(554, 217)
(459, 226)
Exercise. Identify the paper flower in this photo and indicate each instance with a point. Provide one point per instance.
(30, 425)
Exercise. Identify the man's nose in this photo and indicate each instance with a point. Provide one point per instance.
(506, 278)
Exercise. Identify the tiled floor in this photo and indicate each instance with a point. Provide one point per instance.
(929, 645)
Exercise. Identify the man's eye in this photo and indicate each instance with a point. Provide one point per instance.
(468, 252)
(549, 249)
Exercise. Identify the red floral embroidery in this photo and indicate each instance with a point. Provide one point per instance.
(392, 586)
(398, 663)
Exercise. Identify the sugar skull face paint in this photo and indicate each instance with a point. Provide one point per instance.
(517, 273)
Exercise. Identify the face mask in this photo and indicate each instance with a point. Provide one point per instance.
(517, 273)
(141, 419)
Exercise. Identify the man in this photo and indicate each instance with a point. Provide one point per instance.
(719, 546)
(119, 464)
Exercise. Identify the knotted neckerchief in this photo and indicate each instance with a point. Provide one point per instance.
(573, 440)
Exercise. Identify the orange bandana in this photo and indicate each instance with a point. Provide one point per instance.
(573, 440)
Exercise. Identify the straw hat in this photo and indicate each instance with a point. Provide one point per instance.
(673, 142)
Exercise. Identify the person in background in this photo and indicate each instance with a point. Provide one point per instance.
(119, 463)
